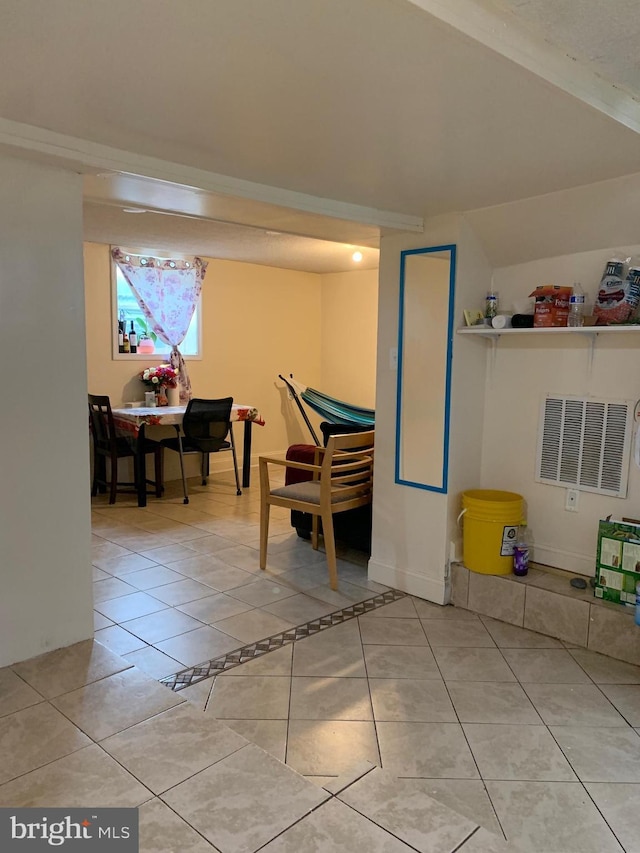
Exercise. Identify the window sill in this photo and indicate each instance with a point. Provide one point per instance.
(150, 356)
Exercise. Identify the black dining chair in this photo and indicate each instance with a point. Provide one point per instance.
(206, 425)
(107, 444)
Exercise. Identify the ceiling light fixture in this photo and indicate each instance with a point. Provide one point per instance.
(357, 257)
(133, 210)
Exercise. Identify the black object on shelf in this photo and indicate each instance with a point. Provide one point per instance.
(578, 583)
(522, 321)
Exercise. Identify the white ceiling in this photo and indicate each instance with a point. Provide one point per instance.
(603, 34)
(155, 231)
(180, 219)
(376, 103)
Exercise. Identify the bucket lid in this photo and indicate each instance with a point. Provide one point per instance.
(492, 495)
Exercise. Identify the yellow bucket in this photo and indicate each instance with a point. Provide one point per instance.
(490, 527)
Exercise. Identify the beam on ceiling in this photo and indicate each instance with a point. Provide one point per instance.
(84, 156)
(500, 31)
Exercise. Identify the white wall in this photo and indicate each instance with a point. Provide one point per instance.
(495, 445)
(45, 564)
(523, 372)
(468, 435)
(410, 543)
(495, 406)
(495, 402)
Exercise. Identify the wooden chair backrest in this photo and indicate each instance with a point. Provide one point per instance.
(101, 417)
(347, 467)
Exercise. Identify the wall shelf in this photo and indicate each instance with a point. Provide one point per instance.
(591, 333)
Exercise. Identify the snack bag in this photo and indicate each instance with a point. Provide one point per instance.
(618, 297)
(551, 306)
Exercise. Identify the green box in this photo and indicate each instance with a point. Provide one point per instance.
(618, 561)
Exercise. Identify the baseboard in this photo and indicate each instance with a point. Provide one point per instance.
(431, 589)
(569, 561)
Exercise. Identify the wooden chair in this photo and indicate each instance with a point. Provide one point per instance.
(107, 444)
(342, 478)
(206, 425)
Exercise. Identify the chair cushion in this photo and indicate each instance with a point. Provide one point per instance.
(310, 492)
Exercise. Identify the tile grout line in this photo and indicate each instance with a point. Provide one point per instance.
(286, 736)
(215, 666)
(464, 734)
(373, 715)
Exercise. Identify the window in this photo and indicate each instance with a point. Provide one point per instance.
(125, 307)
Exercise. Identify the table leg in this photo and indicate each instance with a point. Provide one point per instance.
(246, 455)
(140, 461)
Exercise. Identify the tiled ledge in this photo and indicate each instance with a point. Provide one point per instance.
(544, 601)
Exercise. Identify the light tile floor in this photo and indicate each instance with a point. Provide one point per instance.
(413, 727)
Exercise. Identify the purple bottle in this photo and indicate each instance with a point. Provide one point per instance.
(521, 551)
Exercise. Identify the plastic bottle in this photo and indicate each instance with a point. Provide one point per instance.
(491, 304)
(576, 306)
(522, 551)
(638, 603)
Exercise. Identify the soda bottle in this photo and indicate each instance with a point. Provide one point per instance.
(522, 551)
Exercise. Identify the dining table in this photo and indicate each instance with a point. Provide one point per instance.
(133, 423)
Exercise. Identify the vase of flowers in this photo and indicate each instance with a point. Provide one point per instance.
(162, 378)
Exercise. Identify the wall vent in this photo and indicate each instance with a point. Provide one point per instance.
(584, 443)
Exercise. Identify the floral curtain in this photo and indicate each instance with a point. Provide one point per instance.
(167, 292)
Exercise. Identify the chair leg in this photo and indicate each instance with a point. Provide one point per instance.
(101, 467)
(184, 479)
(103, 474)
(158, 454)
(114, 478)
(330, 548)
(315, 522)
(204, 465)
(265, 508)
(235, 460)
(95, 484)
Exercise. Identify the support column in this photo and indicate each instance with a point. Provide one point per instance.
(45, 564)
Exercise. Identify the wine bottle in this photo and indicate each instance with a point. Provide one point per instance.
(120, 336)
(125, 342)
(133, 339)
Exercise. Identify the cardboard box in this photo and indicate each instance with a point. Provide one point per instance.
(618, 561)
(551, 306)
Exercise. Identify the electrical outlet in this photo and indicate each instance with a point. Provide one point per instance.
(571, 502)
